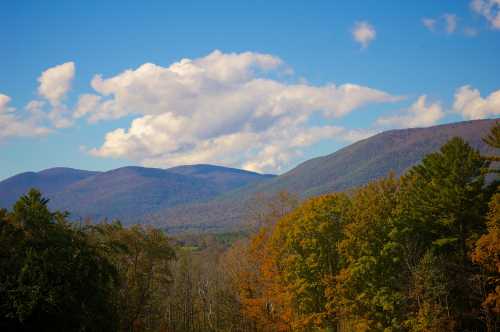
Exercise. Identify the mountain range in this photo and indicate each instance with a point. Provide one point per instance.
(215, 198)
(131, 194)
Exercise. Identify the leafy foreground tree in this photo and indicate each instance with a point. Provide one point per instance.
(251, 267)
(51, 277)
(368, 293)
(142, 258)
(304, 256)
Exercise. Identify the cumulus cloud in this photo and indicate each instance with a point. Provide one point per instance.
(489, 9)
(12, 125)
(38, 115)
(420, 114)
(469, 103)
(54, 84)
(221, 108)
(363, 33)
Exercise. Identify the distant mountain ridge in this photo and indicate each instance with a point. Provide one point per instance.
(50, 181)
(215, 198)
(128, 193)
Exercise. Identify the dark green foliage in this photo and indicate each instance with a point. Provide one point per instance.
(493, 138)
(442, 211)
(142, 256)
(447, 195)
(51, 278)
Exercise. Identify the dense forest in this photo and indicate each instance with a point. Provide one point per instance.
(415, 253)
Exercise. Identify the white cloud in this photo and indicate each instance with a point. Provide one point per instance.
(222, 108)
(55, 83)
(364, 33)
(420, 114)
(451, 22)
(469, 103)
(489, 9)
(4, 104)
(12, 125)
(87, 103)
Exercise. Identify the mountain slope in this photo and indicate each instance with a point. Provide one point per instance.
(131, 194)
(375, 157)
(354, 165)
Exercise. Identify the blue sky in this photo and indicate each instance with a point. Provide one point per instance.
(267, 85)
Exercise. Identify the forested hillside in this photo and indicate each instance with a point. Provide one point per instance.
(414, 253)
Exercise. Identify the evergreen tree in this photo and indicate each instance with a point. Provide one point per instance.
(51, 278)
(442, 210)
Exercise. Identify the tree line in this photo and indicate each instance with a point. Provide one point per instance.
(416, 253)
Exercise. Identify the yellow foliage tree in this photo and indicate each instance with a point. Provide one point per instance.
(305, 258)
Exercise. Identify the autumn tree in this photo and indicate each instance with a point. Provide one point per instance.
(369, 293)
(253, 276)
(487, 255)
(305, 258)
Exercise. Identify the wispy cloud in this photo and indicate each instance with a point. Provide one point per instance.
(470, 32)
(15, 125)
(489, 9)
(446, 23)
(451, 23)
(429, 23)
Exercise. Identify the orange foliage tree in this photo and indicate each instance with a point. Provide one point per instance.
(487, 255)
